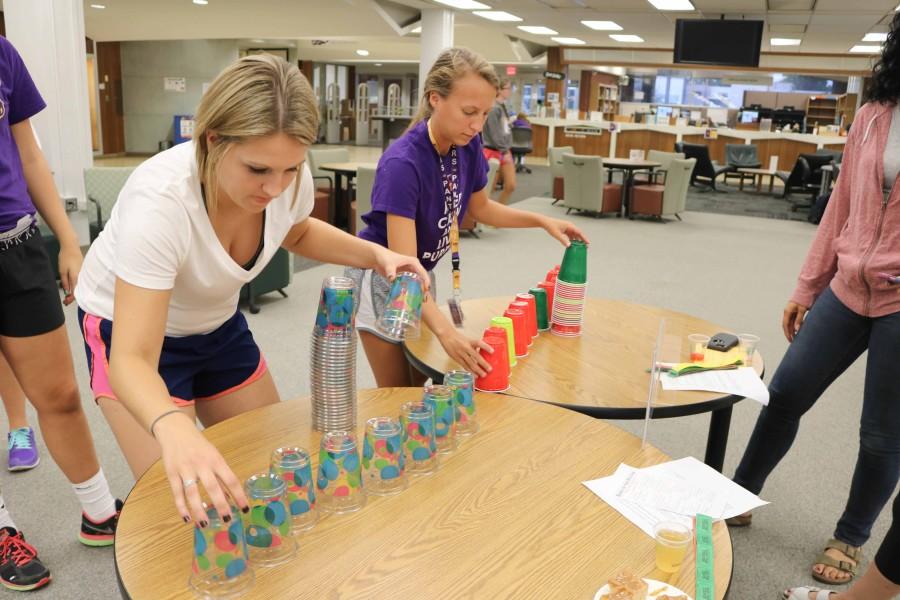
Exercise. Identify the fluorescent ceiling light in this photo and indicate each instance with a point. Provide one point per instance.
(784, 42)
(861, 49)
(496, 15)
(362, 52)
(416, 29)
(672, 4)
(464, 4)
(98, 6)
(602, 25)
(259, 41)
(377, 64)
(537, 30)
(567, 41)
(875, 37)
(632, 39)
(201, 2)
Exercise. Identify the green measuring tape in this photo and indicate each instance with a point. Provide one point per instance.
(705, 586)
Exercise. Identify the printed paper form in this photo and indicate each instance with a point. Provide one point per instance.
(691, 474)
(741, 382)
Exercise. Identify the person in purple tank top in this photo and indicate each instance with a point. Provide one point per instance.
(424, 184)
(33, 336)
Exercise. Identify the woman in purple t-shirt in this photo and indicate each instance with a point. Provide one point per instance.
(413, 208)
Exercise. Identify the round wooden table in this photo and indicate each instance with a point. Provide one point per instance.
(629, 166)
(602, 373)
(505, 515)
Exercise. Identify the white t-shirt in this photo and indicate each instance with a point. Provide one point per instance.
(159, 237)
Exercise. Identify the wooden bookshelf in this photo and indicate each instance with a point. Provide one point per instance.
(821, 110)
(846, 108)
(608, 100)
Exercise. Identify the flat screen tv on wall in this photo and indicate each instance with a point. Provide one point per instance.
(718, 42)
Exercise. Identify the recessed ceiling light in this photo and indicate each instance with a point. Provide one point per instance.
(784, 42)
(875, 37)
(258, 41)
(377, 64)
(417, 30)
(101, 6)
(862, 49)
(603, 25)
(631, 39)
(362, 52)
(464, 4)
(201, 2)
(496, 15)
(567, 41)
(537, 30)
(672, 4)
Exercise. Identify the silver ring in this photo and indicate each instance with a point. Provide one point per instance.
(188, 482)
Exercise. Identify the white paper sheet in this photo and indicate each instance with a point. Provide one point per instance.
(683, 475)
(661, 490)
(742, 381)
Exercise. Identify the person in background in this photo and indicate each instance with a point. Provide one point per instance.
(842, 307)
(497, 140)
(22, 452)
(424, 184)
(522, 121)
(33, 335)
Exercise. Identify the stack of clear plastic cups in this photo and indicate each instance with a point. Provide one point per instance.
(332, 357)
(440, 399)
(463, 385)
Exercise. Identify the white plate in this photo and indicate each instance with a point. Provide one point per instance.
(653, 586)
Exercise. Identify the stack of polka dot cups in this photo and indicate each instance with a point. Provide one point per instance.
(383, 462)
(219, 568)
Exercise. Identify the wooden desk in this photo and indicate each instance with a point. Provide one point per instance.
(342, 202)
(504, 516)
(758, 174)
(603, 372)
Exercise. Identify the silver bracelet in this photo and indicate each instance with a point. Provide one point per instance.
(165, 414)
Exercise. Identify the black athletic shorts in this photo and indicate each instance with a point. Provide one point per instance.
(29, 295)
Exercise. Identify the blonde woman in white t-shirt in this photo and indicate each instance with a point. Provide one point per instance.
(159, 288)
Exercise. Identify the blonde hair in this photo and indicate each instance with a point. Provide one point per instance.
(452, 64)
(255, 96)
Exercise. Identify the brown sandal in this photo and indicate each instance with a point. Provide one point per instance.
(740, 520)
(849, 551)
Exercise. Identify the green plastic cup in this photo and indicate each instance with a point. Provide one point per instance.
(540, 304)
(506, 323)
(574, 263)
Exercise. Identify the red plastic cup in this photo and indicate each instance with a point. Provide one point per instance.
(520, 330)
(550, 287)
(495, 330)
(565, 330)
(553, 274)
(523, 306)
(532, 312)
(497, 380)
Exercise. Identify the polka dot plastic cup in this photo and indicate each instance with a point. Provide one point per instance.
(419, 444)
(439, 398)
(463, 385)
(403, 310)
(220, 566)
(339, 479)
(294, 467)
(383, 462)
(267, 528)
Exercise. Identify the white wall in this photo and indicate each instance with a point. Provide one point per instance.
(149, 109)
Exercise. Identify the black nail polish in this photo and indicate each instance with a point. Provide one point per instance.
(186, 519)
(245, 510)
(226, 518)
(203, 524)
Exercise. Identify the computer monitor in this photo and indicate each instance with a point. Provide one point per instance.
(749, 116)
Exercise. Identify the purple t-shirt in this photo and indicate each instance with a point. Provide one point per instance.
(20, 100)
(408, 183)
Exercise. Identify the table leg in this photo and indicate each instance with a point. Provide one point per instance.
(771, 183)
(758, 178)
(334, 210)
(740, 181)
(719, 424)
(626, 190)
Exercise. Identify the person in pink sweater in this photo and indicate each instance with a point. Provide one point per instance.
(844, 305)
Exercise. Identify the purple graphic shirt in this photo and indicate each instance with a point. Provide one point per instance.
(20, 100)
(408, 183)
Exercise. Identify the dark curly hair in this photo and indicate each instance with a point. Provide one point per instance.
(885, 85)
